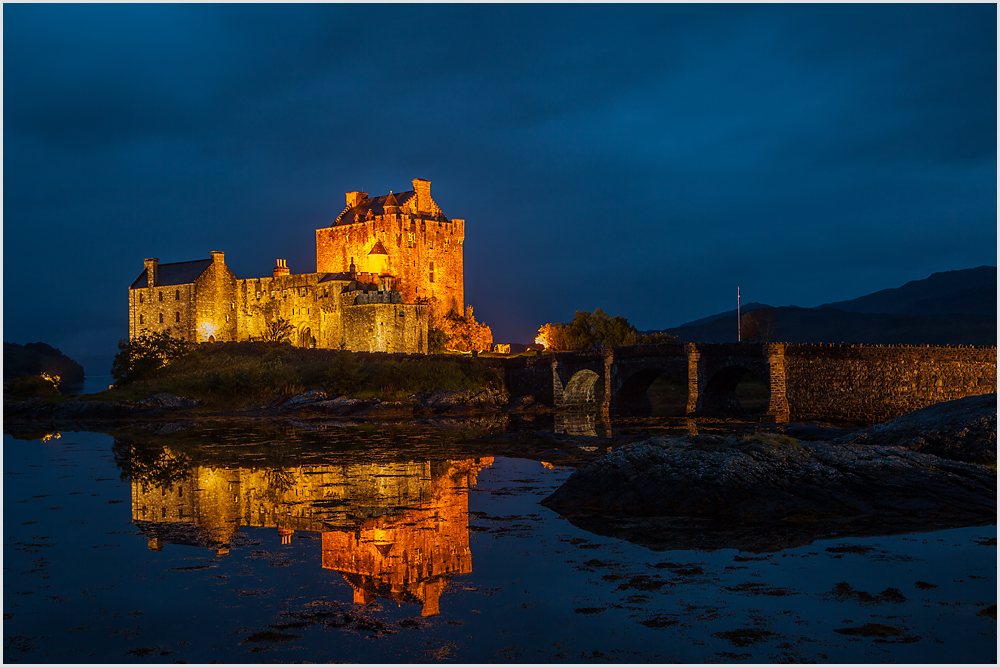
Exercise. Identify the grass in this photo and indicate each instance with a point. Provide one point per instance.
(234, 374)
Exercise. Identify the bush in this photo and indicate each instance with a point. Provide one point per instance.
(138, 358)
(30, 386)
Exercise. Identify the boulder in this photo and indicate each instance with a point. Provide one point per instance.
(306, 397)
(484, 398)
(165, 401)
(337, 406)
(387, 410)
(770, 492)
(960, 430)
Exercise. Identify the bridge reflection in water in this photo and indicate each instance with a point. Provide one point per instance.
(395, 530)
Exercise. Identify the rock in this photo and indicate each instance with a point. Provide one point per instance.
(338, 406)
(768, 493)
(472, 398)
(166, 401)
(388, 410)
(960, 430)
(812, 431)
(306, 397)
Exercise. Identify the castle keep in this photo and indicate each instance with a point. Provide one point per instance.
(381, 267)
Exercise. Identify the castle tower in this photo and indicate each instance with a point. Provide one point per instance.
(404, 235)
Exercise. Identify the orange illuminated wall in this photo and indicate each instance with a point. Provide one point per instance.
(404, 235)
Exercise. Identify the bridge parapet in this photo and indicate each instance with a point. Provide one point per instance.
(864, 383)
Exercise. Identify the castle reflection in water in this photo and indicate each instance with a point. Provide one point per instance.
(398, 531)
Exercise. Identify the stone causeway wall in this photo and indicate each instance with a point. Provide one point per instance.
(872, 384)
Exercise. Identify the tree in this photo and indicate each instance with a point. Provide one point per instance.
(464, 333)
(139, 357)
(757, 326)
(279, 330)
(597, 329)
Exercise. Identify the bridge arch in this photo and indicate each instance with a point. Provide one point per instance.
(580, 388)
(721, 395)
(633, 396)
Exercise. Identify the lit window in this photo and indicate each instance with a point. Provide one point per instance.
(161, 318)
(432, 244)
(258, 294)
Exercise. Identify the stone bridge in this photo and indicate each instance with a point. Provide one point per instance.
(864, 383)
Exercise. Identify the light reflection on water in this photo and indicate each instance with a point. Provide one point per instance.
(281, 553)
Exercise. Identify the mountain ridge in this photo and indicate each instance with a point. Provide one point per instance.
(947, 308)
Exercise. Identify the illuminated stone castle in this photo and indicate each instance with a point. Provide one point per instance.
(382, 265)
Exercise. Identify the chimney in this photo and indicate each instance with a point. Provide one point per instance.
(422, 187)
(218, 257)
(353, 269)
(152, 271)
(280, 268)
(355, 198)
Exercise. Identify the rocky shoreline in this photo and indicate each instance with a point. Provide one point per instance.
(310, 404)
(768, 492)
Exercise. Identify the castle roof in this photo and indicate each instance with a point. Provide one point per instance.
(176, 273)
(374, 204)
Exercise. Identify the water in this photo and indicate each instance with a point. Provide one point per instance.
(398, 545)
(92, 384)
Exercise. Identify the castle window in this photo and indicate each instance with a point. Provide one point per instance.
(432, 244)
(258, 294)
(140, 297)
(447, 244)
(227, 317)
(177, 316)
(163, 512)
(161, 296)
(432, 271)
(302, 292)
(141, 319)
(409, 239)
(161, 318)
(177, 295)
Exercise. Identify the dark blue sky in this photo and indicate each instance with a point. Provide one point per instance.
(644, 159)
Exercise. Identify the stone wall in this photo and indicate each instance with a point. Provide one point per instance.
(162, 307)
(873, 384)
(385, 327)
(311, 307)
(215, 303)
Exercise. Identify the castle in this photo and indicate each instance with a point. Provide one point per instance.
(382, 267)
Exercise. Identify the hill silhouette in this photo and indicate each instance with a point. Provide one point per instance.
(949, 308)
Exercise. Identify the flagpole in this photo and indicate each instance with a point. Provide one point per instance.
(739, 327)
